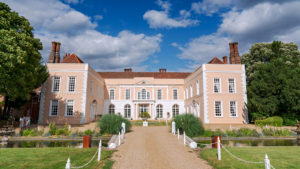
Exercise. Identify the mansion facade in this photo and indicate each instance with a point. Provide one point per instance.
(76, 94)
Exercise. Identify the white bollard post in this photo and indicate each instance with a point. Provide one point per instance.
(178, 134)
(184, 140)
(173, 128)
(99, 150)
(68, 165)
(124, 127)
(267, 162)
(119, 139)
(219, 149)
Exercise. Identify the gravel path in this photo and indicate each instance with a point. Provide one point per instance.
(155, 148)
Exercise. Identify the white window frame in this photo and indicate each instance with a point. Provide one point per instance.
(112, 97)
(187, 92)
(92, 87)
(159, 98)
(127, 108)
(191, 90)
(236, 108)
(175, 89)
(234, 86)
(221, 109)
(184, 94)
(175, 112)
(66, 107)
(50, 108)
(111, 109)
(69, 84)
(158, 113)
(58, 83)
(127, 98)
(220, 85)
(197, 87)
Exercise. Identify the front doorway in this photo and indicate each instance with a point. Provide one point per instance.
(143, 108)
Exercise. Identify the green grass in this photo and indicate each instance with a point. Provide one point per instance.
(37, 158)
(280, 157)
(150, 123)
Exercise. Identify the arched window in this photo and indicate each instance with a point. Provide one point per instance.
(159, 111)
(127, 111)
(175, 110)
(111, 109)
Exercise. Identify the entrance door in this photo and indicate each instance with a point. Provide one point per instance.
(144, 108)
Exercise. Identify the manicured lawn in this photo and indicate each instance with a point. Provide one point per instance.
(37, 158)
(280, 157)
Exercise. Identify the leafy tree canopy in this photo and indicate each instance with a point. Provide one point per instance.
(20, 64)
(273, 78)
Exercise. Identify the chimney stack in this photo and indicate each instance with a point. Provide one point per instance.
(128, 70)
(234, 57)
(162, 70)
(54, 56)
(225, 59)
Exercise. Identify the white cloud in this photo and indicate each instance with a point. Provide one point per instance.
(98, 17)
(161, 19)
(262, 22)
(209, 7)
(56, 21)
(73, 1)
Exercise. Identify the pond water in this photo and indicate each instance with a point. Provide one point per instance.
(43, 144)
(255, 143)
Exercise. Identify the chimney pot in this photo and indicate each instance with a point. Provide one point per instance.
(128, 70)
(162, 70)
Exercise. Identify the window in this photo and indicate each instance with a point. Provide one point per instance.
(231, 85)
(111, 109)
(71, 84)
(217, 88)
(127, 94)
(218, 109)
(112, 94)
(143, 108)
(127, 111)
(233, 109)
(175, 110)
(159, 111)
(159, 95)
(53, 107)
(70, 108)
(191, 90)
(197, 86)
(56, 84)
(148, 95)
(175, 94)
(92, 88)
(143, 95)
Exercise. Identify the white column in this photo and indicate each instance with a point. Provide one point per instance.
(134, 93)
(152, 93)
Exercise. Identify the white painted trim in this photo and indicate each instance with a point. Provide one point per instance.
(50, 108)
(114, 93)
(220, 83)
(245, 93)
(84, 95)
(68, 87)
(144, 86)
(52, 87)
(176, 92)
(42, 103)
(235, 89)
(204, 94)
(197, 87)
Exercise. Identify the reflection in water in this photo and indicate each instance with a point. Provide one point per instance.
(42, 144)
(256, 143)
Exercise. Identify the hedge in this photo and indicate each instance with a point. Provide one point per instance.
(111, 124)
(271, 121)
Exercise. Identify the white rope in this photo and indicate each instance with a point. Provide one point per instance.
(87, 162)
(253, 162)
(272, 166)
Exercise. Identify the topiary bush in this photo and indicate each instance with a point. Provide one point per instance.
(111, 124)
(52, 128)
(190, 124)
(271, 121)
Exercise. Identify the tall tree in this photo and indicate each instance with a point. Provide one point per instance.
(21, 70)
(273, 78)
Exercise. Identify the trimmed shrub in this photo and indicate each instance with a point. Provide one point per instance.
(144, 115)
(52, 128)
(190, 124)
(271, 121)
(111, 124)
(60, 132)
(88, 132)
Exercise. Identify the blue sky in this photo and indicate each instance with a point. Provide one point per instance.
(147, 35)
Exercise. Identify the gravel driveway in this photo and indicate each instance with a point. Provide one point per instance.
(155, 148)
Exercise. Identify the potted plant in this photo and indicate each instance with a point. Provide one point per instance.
(144, 116)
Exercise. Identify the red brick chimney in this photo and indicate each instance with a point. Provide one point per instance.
(128, 70)
(225, 59)
(52, 53)
(234, 57)
(57, 53)
(162, 70)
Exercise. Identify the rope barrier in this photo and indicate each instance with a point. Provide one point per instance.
(87, 162)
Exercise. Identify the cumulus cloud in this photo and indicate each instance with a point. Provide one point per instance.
(161, 19)
(56, 21)
(209, 7)
(73, 1)
(262, 22)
